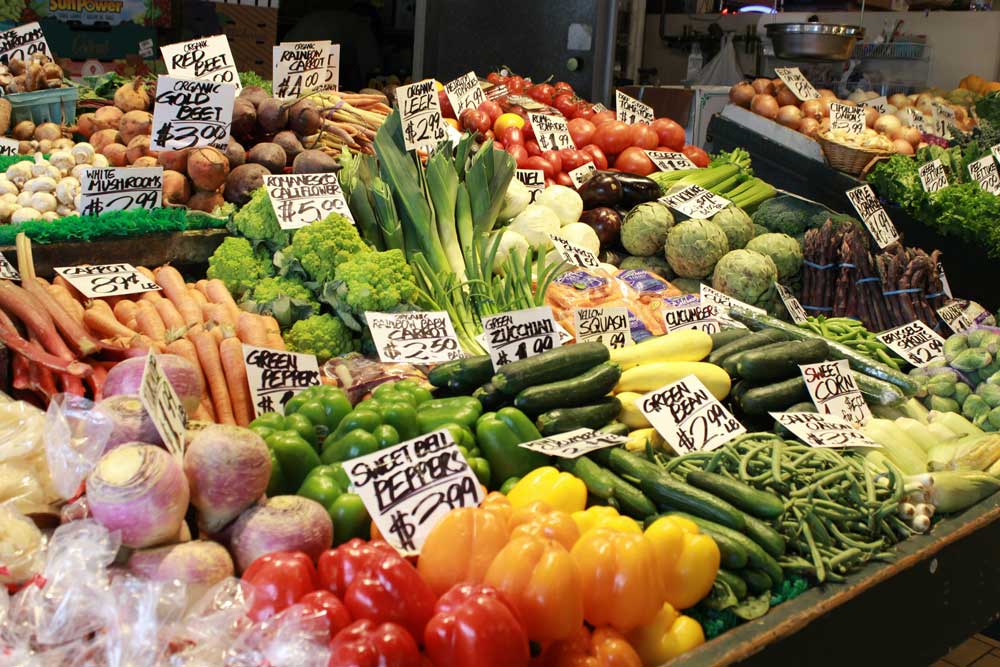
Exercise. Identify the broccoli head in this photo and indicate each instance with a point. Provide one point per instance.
(238, 265)
(257, 221)
(375, 281)
(789, 215)
(323, 335)
(284, 298)
(322, 246)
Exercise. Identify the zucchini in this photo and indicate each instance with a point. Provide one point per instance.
(744, 343)
(583, 389)
(757, 581)
(608, 486)
(615, 428)
(671, 495)
(561, 363)
(758, 401)
(762, 504)
(780, 361)
(462, 375)
(490, 397)
(727, 336)
(756, 556)
(767, 537)
(735, 583)
(593, 416)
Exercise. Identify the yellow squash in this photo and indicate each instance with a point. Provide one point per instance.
(686, 345)
(648, 377)
(630, 414)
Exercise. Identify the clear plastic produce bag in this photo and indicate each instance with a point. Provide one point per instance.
(724, 68)
(212, 624)
(75, 435)
(24, 472)
(296, 637)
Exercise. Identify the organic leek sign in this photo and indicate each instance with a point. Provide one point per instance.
(105, 189)
(420, 115)
(933, 176)
(275, 376)
(164, 407)
(207, 58)
(189, 113)
(630, 110)
(835, 391)
(574, 444)
(606, 324)
(916, 342)
(688, 417)
(302, 199)
(797, 83)
(520, 334)
(818, 430)
(873, 215)
(414, 337)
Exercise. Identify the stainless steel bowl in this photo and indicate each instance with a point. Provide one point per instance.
(814, 41)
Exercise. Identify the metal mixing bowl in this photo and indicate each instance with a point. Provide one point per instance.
(814, 41)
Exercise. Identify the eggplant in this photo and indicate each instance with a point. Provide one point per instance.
(605, 221)
(602, 189)
(635, 189)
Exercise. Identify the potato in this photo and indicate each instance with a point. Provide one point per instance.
(174, 160)
(269, 155)
(139, 147)
(289, 143)
(272, 116)
(50, 131)
(304, 118)
(314, 162)
(205, 201)
(254, 94)
(176, 187)
(145, 161)
(116, 154)
(242, 181)
(24, 131)
(108, 117)
(102, 138)
(244, 119)
(135, 123)
(208, 168)
(235, 153)
(86, 125)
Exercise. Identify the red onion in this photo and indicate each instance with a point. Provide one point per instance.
(126, 377)
(129, 422)
(283, 523)
(141, 491)
(228, 468)
(200, 562)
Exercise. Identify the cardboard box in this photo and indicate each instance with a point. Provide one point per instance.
(252, 31)
(691, 106)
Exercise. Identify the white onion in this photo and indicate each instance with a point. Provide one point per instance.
(764, 105)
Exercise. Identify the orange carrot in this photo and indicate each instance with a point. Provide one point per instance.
(66, 300)
(171, 318)
(202, 286)
(125, 311)
(100, 320)
(217, 292)
(211, 366)
(175, 289)
(202, 414)
(197, 296)
(250, 329)
(182, 347)
(216, 312)
(146, 273)
(274, 339)
(231, 355)
(148, 322)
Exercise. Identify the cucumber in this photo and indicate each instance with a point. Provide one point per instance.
(607, 486)
(583, 389)
(670, 495)
(625, 463)
(735, 583)
(561, 363)
(757, 581)
(780, 361)
(744, 343)
(462, 375)
(615, 428)
(727, 336)
(756, 556)
(767, 537)
(879, 392)
(490, 397)
(730, 363)
(732, 555)
(758, 401)
(588, 416)
(757, 503)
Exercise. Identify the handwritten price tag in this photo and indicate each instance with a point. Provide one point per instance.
(918, 120)
(465, 93)
(164, 407)
(104, 189)
(551, 132)
(630, 110)
(299, 67)
(420, 115)
(817, 430)
(332, 81)
(415, 338)
(933, 176)
(574, 444)
(697, 316)
(609, 325)
(873, 215)
(533, 179)
(670, 161)
(22, 42)
(9, 146)
(582, 174)
(961, 314)
(146, 48)
(916, 342)
(792, 305)
(797, 83)
(275, 376)
(984, 171)
(520, 334)
(7, 270)
(409, 487)
(945, 287)
(880, 104)
(847, 118)
(190, 113)
(688, 417)
(302, 199)
(574, 254)
(835, 391)
(695, 201)
(207, 58)
(102, 280)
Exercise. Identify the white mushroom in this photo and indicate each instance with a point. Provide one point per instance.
(43, 201)
(19, 172)
(62, 160)
(7, 209)
(40, 184)
(42, 167)
(100, 161)
(83, 153)
(24, 199)
(77, 171)
(63, 210)
(67, 189)
(6, 187)
(24, 214)
(49, 216)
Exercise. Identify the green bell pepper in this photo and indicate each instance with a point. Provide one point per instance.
(361, 417)
(462, 436)
(304, 426)
(324, 406)
(479, 465)
(295, 456)
(509, 484)
(462, 410)
(416, 391)
(499, 435)
(276, 485)
(273, 420)
(386, 436)
(356, 443)
(326, 485)
(402, 416)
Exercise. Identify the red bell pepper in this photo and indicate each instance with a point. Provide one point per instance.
(392, 592)
(367, 644)
(330, 605)
(475, 626)
(280, 579)
(339, 567)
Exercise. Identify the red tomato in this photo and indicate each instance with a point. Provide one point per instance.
(603, 117)
(643, 136)
(563, 87)
(612, 137)
(532, 146)
(516, 84)
(549, 181)
(571, 159)
(584, 110)
(474, 121)
(538, 162)
(512, 135)
(696, 155)
(565, 104)
(670, 133)
(528, 132)
(597, 155)
(519, 153)
(519, 110)
(542, 92)
(494, 78)
(581, 131)
(562, 178)
(635, 161)
(446, 109)
(555, 158)
(492, 109)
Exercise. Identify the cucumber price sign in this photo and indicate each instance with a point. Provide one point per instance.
(688, 417)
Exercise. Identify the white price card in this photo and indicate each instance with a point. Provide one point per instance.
(918, 119)
(943, 111)
(630, 110)
(700, 317)
(420, 115)
(996, 151)
(792, 305)
(582, 174)
(551, 132)
(494, 93)
(960, 314)
(207, 58)
(7, 270)
(302, 199)
(835, 391)
(574, 254)
(22, 42)
(880, 104)
(797, 83)
(688, 417)
(9, 146)
(725, 302)
(873, 215)
(670, 161)
(299, 67)
(916, 342)
(984, 171)
(146, 48)
(105, 189)
(189, 113)
(104, 280)
(604, 324)
(695, 201)
(414, 337)
(409, 487)
(574, 444)
(945, 287)
(274, 376)
(598, 108)
(533, 179)
(850, 119)
(464, 93)
(332, 79)
(818, 430)
(933, 176)
(520, 334)
(164, 407)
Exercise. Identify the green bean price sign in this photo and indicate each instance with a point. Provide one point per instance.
(607, 324)
(207, 58)
(574, 444)
(189, 113)
(520, 334)
(819, 430)
(688, 417)
(164, 407)
(274, 376)
(414, 337)
(834, 390)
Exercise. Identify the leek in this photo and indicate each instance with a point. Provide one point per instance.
(442, 187)
(385, 215)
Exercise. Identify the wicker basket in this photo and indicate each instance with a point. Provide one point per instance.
(848, 159)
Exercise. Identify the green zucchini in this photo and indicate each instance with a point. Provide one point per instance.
(582, 389)
(756, 556)
(604, 484)
(462, 375)
(757, 503)
(767, 537)
(735, 583)
(757, 581)
(615, 428)
(727, 336)
(561, 363)
(758, 401)
(490, 397)
(780, 361)
(744, 343)
(593, 416)
(669, 494)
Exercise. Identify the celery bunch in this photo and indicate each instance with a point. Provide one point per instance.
(729, 175)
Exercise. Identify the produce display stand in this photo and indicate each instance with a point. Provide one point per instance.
(941, 589)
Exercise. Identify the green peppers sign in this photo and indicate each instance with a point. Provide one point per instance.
(274, 376)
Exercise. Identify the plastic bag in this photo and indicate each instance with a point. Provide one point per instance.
(75, 435)
(358, 376)
(296, 637)
(20, 546)
(211, 625)
(724, 68)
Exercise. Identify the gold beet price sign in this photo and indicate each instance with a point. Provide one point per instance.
(189, 113)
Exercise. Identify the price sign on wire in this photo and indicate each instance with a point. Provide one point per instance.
(332, 78)
(724, 302)
(299, 67)
(984, 171)
(582, 174)
(792, 305)
(415, 337)
(873, 215)
(797, 83)
(302, 199)
(607, 324)
(819, 430)
(104, 280)
(960, 314)
(274, 376)
(105, 189)
(847, 118)
(22, 42)
(574, 254)
(688, 417)
(520, 334)
(630, 110)
(880, 104)
(9, 146)
(420, 115)
(409, 487)
(917, 119)
(945, 287)
(189, 113)
(146, 48)
(695, 201)
(916, 342)
(835, 391)
(207, 58)
(551, 132)
(464, 93)
(574, 444)
(163, 406)
(700, 317)
(7, 270)
(670, 161)
(933, 176)
(533, 179)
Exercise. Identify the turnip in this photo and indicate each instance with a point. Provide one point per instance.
(85, 125)
(116, 153)
(145, 161)
(132, 96)
(200, 563)
(135, 123)
(283, 523)
(208, 168)
(48, 132)
(174, 160)
(126, 378)
(102, 138)
(24, 131)
(130, 423)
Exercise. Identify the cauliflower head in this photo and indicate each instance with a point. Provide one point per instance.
(375, 281)
(324, 245)
(323, 335)
(270, 289)
(238, 265)
(257, 221)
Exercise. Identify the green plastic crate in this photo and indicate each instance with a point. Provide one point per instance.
(41, 106)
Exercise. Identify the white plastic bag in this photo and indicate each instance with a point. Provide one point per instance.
(723, 69)
(75, 435)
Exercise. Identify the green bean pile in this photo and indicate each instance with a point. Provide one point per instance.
(853, 334)
(838, 514)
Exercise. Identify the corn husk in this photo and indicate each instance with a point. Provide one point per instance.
(968, 453)
(917, 432)
(906, 454)
(954, 490)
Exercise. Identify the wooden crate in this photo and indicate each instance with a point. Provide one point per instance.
(252, 30)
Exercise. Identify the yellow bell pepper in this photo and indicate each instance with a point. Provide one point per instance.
(560, 490)
(688, 560)
(667, 636)
(540, 519)
(460, 548)
(602, 516)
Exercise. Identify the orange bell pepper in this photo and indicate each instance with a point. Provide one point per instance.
(604, 647)
(460, 548)
(497, 502)
(541, 520)
(540, 578)
(666, 637)
(603, 516)
(621, 583)
(689, 560)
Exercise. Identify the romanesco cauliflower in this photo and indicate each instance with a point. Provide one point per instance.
(269, 289)
(238, 265)
(257, 221)
(324, 245)
(373, 281)
(323, 335)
